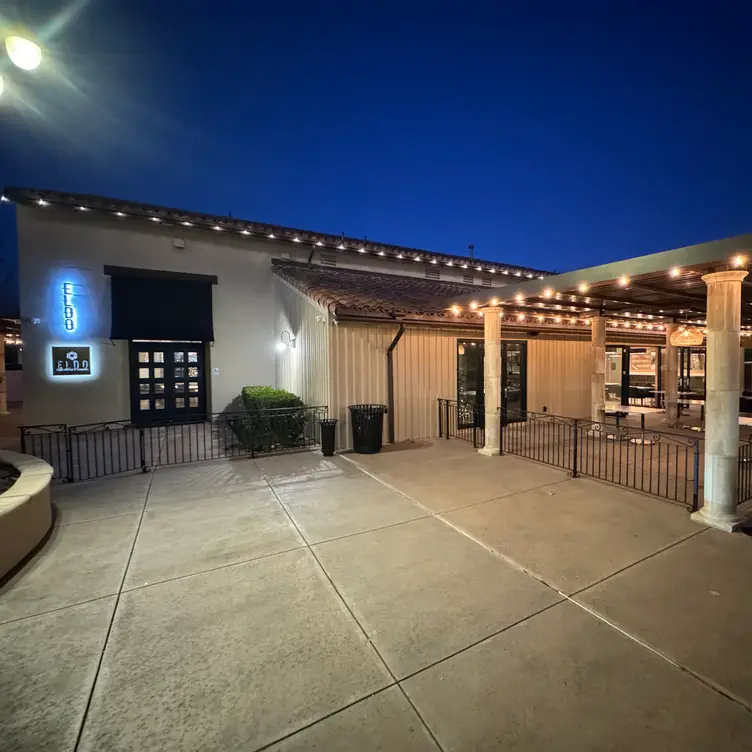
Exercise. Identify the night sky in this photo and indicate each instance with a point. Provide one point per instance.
(557, 135)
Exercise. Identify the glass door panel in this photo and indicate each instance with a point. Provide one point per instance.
(514, 380)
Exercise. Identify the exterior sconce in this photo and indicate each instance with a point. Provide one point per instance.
(286, 340)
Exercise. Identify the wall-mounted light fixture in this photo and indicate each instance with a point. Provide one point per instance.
(286, 340)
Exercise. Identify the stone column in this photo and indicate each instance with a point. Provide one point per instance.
(598, 378)
(3, 381)
(722, 352)
(492, 379)
(670, 368)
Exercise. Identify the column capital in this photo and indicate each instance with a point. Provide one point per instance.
(732, 275)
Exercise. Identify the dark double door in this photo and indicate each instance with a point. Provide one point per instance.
(168, 382)
(470, 362)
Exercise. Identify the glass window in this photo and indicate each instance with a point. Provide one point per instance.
(179, 372)
(470, 371)
(193, 357)
(159, 404)
(144, 388)
(179, 357)
(194, 401)
(159, 357)
(159, 373)
(193, 372)
(158, 388)
(143, 357)
(179, 386)
(144, 404)
(180, 402)
(193, 386)
(144, 373)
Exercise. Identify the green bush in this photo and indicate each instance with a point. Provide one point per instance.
(267, 419)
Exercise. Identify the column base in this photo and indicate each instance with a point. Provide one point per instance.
(489, 451)
(729, 523)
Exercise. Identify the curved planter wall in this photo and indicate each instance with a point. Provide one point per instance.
(25, 509)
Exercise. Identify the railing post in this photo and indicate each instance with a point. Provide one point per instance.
(69, 452)
(446, 416)
(501, 431)
(440, 416)
(23, 440)
(142, 451)
(696, 478)
(575, 431)
(642, 422)
(475, 429)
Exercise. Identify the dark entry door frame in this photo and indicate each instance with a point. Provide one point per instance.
(167, 382)
(513, 380)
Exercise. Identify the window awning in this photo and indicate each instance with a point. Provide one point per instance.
(152, 304)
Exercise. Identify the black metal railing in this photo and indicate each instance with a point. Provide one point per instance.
(94, 450)
(744, 474)
(653, 462)
(461, 420)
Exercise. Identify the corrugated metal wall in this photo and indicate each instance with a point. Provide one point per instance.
(304, 369)
(425, 368)
(558, 377)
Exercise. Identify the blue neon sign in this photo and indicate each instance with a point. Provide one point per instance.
(70, 315)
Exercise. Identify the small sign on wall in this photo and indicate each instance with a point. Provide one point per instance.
(71, 361)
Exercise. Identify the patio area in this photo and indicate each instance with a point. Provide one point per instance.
(425, 598)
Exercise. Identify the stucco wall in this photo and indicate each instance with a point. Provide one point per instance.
(58, 245)
(304, 369)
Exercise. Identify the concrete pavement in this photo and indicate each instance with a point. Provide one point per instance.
(424, 598)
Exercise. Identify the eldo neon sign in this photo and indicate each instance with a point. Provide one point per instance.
(69, 310)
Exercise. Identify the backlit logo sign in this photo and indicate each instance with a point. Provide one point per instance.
(70, 315)
(71, 361)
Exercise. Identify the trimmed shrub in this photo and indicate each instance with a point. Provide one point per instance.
(269, 419)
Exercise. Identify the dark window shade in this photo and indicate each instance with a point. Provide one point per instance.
(161, 308)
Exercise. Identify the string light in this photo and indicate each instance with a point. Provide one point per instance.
(738, 260)
(557, 319)
(42, 202)
(473, 305)
(623, 280)
(244, 232)
(271, 236)
(519, 297)
(83, 208)
(120, 214)
(456, 310)
(341, 247)
(548, 292)
(154, 219)
(296, 239)
(319, 243)
(494, 302)
(520, 316)
(219, 229)
(674, 271)
(539, 317)
(582, 288)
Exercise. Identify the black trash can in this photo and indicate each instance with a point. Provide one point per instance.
(328, 426)
(367, 427)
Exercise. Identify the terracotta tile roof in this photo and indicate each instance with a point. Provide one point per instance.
(355, 292)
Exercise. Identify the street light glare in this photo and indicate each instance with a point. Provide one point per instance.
(23, 52)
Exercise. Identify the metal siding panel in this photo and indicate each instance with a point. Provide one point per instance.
(303, 370)
(558, 377)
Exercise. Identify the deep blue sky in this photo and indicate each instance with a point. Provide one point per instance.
(554, 134)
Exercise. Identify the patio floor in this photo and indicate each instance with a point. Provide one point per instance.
(426, 598)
